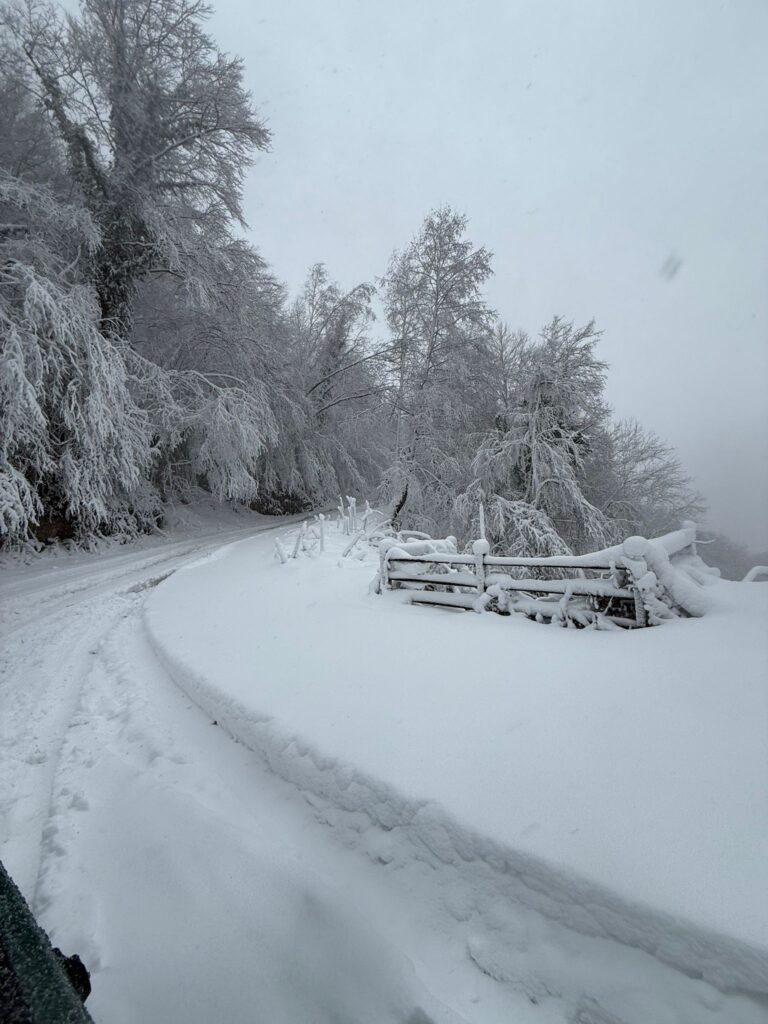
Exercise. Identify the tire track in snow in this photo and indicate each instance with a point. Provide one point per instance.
(41, 686)
(26, 603)
(52, 626)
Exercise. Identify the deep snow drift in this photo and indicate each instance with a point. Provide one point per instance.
(617, 783)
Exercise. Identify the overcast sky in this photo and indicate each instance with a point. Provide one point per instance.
(613, 155)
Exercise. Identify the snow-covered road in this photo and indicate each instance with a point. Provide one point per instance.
(200, 887)
(53, 617)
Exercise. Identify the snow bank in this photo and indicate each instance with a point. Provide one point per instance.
(615, 782)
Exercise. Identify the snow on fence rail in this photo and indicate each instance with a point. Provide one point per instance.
(636, 583)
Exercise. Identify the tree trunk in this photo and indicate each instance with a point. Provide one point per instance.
(399, 507)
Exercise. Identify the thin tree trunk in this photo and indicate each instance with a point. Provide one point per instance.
(399, 507)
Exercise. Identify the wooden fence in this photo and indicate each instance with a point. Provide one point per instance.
(616, 588)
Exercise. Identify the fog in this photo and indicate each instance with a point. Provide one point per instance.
(613, 157)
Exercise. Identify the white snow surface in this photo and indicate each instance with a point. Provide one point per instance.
(319, 871)
(617, 782)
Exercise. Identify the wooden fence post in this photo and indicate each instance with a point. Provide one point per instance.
(634, 549)
(641, 615)
(480, 549)
(321, 521)
(383, 564)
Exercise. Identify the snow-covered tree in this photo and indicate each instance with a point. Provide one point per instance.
(142, 106)
(206, 367)
(74, 445)
(537, 452)
(505, 365)
(335, 365)
(512, 526)
(157, 127)
(638, 481)
(29, 149)
(158, 132)
(439, 327)
(330, 338)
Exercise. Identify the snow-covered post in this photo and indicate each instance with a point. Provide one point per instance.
(563, 604)
(688, 524)
(355, 540)
(352, 502)
(342, 515)
(617, 575)
(299, 538)
(280, 551)
(634, 550)
(321, 521)
(480, 549)
(384, 546)
(482, 521)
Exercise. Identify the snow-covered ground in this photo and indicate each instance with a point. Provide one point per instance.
(430, 815)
